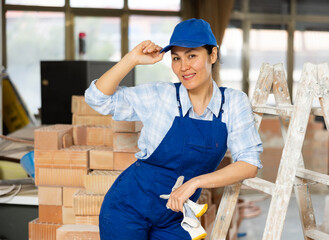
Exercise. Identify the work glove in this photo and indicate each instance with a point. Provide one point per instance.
(191, 211)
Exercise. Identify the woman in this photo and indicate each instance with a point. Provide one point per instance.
(187, 130)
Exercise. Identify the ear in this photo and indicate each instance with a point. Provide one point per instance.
(213, 55)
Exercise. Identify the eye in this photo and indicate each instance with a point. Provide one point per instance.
(191, 56)
(175, 58)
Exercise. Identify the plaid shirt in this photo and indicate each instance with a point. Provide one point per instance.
(155, 104)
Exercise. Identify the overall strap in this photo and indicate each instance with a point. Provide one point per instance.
(222, 90)
(177, 85)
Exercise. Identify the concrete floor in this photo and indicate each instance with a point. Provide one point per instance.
(252, 228)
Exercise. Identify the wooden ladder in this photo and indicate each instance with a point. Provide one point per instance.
(314, 83)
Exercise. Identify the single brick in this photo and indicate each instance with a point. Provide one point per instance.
(91, 120)
(51, 137)
(125, 142)
(67, 140)
(91, 220)
(101, 158)
(87, 204)
(80, 134)
(79, 106)
(68, 193)
(50, 214)
(78, 232)
(125, 126)
(50, 196)
(99, 182)
(65, 177)
(40, 231)
(123, 160)
(76, 156)
(43, 158)
(99, 136)
(73, 157)
(68, 215)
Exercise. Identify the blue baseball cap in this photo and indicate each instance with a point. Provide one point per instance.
(191, 33)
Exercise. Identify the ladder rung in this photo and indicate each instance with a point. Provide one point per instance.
(317, 111)
(260, 184)
(317, 234)
(274, 110)
(313, 176)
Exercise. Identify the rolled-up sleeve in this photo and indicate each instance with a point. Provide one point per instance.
(126, 104)
(243, 140)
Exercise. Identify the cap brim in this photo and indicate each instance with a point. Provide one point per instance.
(182, 44)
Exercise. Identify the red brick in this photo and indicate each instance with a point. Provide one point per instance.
(90, 220)
(78, 232)
(65, 177)
(80, 134)
(87, 204)
(73, 157)
(91, 120)
(101, 158)
(99, 182)
(79, 106)
(68, 215)
(50, 196)
(50, 214)
(67, 140)
(51, 137)
(99, 136)
(125, 126)
(125, 142)
(68, 193)
(123, 160)
(42, 231)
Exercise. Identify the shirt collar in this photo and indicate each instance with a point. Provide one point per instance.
(213, 106)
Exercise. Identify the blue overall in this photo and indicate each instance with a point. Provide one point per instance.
(132, 208)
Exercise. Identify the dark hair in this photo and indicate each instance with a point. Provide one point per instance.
(215, 66)
(209, 50)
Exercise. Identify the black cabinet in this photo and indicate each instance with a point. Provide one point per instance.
(62, 79)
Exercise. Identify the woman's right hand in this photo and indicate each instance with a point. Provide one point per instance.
(147, 52)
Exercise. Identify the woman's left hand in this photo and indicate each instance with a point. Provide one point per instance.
(180, 195)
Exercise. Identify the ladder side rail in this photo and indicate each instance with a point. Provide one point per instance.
(290, 156)
(225, 212)
(303, 196)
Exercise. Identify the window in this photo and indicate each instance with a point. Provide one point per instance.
(40, 30)
(231, 56)
(31, 37)
(53, 3)
(310, 45)
(97, 3)
(103, 37)
(268, 44)
(167, 5)
(269, 6)
(317, 7)
(158, 30)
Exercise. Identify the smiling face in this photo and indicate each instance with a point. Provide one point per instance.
(193, 66)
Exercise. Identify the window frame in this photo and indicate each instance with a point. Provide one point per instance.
(71, 12)
(249, 18)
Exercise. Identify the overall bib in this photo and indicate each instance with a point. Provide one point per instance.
(132, 208)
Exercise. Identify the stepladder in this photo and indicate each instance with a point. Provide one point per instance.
(292, 174)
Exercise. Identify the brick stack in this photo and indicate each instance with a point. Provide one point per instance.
(75, 165)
